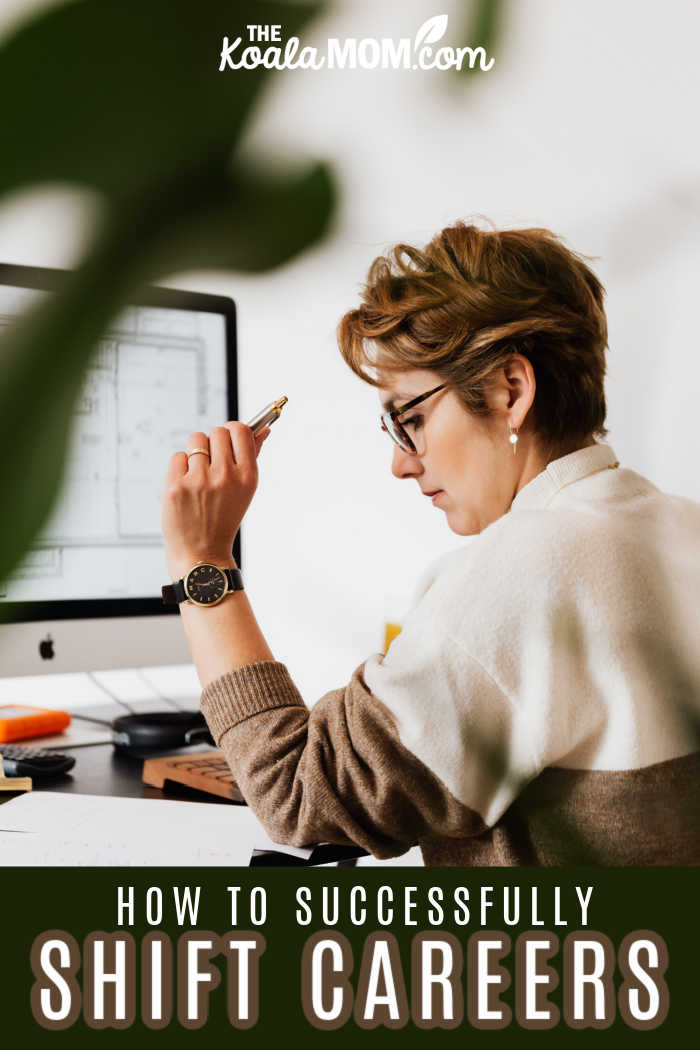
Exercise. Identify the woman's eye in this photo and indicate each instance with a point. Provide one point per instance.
(413, 421)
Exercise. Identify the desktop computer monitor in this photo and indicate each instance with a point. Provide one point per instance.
(87, 595)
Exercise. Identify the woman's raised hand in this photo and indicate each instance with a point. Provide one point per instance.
(206, 494)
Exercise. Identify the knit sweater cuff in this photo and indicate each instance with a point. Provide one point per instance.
(247, 691)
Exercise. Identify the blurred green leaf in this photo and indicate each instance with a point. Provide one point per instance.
(126, 98)
(482, 29)
(122, 95)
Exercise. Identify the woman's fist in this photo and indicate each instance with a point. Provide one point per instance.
(206, 496)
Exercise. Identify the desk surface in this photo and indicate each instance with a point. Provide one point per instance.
(100, 770)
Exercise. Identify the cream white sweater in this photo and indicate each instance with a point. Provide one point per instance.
(541, 705)
(566, 634)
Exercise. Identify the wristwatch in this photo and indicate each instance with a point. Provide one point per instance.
(204, 584)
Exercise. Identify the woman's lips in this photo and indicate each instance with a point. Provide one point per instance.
(435, 495)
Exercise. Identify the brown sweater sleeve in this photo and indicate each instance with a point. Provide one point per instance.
(337, 773)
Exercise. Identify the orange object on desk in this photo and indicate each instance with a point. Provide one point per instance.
(19, 722)
(391, 631)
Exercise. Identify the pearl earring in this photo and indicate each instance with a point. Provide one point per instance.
(513, 437)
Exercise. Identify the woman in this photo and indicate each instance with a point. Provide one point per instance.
(540, 704)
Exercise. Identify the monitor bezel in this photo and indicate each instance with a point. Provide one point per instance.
(47, 279)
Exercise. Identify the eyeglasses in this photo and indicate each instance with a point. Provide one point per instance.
(389, 421)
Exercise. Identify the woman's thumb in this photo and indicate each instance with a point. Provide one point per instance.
(260, 439)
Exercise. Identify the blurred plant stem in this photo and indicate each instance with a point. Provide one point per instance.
(482, 28)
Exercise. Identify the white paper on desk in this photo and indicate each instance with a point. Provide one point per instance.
(78, 734)
(51, 827)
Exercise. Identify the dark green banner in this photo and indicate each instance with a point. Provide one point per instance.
(493, 954)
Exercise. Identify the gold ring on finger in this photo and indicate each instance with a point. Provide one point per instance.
(199, 452)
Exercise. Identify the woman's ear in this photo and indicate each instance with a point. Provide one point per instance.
(519, 376)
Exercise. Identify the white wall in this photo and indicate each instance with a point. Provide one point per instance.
(586, 125)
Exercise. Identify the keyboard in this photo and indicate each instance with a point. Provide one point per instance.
(207, 771)
(21, 761)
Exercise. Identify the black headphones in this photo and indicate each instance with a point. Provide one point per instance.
(159, 731)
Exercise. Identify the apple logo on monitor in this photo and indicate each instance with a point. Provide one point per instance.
(46, 650)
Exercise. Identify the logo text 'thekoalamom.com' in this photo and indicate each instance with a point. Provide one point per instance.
(351, 52)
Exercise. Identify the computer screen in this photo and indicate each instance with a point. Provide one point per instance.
(165, 367)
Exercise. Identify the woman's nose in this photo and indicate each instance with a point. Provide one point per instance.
(404, 465)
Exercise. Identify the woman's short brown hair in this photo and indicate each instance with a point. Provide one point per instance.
(469, 300)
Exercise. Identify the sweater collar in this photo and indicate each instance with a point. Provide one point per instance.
(562, 472)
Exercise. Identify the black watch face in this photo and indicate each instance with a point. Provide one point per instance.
(205, 585)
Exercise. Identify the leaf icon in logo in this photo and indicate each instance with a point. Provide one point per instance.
(431, 31)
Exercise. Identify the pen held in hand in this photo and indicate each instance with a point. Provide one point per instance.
(267, 416)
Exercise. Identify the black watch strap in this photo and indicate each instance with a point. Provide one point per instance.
(235, 579)
(174, 593)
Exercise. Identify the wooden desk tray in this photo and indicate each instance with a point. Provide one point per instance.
(207, 771)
